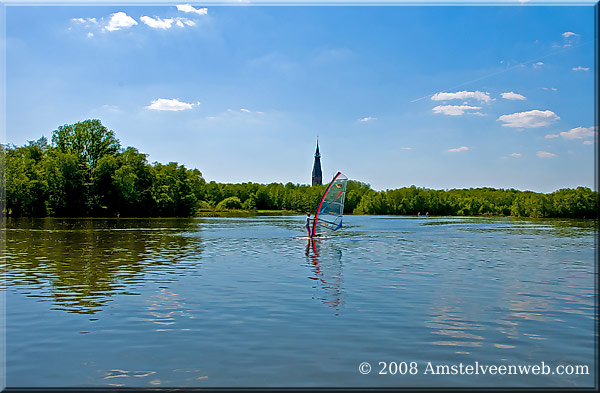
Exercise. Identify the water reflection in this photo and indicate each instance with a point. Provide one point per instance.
(326, 264)
(81, 263)
(454, 328)
(164, 308)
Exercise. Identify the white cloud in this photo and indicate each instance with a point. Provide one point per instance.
(157, 23)
(569, 38)
(85, 21)
(242, 114)
(545, 154)
(364, 119)
(580, 68)
(163, 104)
(463, 95)
(120, 20)
(453, 110)
(551, 136)
(189, 8)
(406, 148)
(547, 88)
(578, 133)
(588, 142)
(512, 96)
(539, 64)
(568, 34)
(515, 155)
(462, 148)
(90, 34)
(529, 119)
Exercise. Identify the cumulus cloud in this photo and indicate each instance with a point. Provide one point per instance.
(549, 88)
(163, 104)
(406, 148)
(529, 119)
(365, 119)
(463, 95)
(158, 23)
(462, 148)
(578, 133)
(551, 136)
(454, 110)
(588, 142)
(120, 20)
(580, 68)
(245, 110)
(539, 64)
(568, 34)
(188, 8)
(569, 38)
(515, 155)
(545, 154)
(512, 96)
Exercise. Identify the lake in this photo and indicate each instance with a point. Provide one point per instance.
(238, 302)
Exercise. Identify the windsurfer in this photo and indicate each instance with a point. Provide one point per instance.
(308, 220)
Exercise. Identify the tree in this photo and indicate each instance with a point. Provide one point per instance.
(88, 139)
(230, 203)
(67, 181)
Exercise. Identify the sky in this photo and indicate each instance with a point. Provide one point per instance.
(433, 96)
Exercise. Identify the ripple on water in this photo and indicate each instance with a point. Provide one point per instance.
(180, 302)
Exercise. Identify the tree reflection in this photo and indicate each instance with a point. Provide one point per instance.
(86, 261)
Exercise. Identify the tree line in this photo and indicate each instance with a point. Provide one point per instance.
(84, 171)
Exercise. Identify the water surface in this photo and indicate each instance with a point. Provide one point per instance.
(226, 302)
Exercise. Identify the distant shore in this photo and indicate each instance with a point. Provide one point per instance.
(85, 172)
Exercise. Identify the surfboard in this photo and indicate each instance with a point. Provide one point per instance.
(312, 238)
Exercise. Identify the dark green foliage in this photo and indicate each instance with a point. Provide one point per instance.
(175, 189)
(85, 172)
(577, 203)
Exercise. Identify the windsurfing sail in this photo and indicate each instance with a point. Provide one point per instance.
(330, 210)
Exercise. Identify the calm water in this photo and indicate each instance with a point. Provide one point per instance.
(240, 302)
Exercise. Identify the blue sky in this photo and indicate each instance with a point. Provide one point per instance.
(437, 97)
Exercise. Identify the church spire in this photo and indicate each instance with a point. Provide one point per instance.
(317, 175)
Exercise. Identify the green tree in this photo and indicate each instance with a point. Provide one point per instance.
(88, 139)
(230, 203)
(67, 183)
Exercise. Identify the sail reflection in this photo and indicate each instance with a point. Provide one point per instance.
(326, 264)
(81, 263)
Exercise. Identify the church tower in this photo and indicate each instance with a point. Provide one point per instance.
(317, 175)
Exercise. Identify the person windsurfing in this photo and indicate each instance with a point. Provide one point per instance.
(308, 220)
